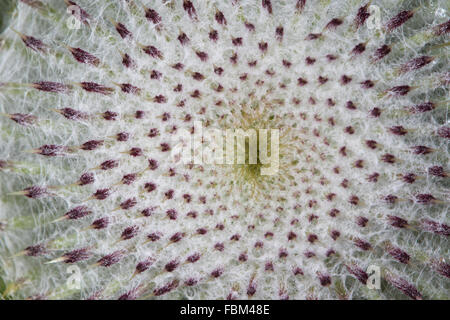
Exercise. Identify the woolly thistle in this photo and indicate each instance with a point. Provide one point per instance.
(93, 92)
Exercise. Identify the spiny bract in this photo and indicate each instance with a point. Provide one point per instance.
(92, 205)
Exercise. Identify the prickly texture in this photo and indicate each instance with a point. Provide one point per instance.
(363, 176)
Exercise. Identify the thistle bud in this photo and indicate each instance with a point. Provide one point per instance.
(84, 57)
(404, 286)
(96, 88)
(50, 86)
(101, 223)
(128, 179)
(267, 4)
(77, 213)
(33, 43)
(152, 15)
(35, 250)
(333, 24)
(22, 119)
(359, 273)
(362, 15)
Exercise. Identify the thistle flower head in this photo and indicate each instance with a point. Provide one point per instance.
(343, 107)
